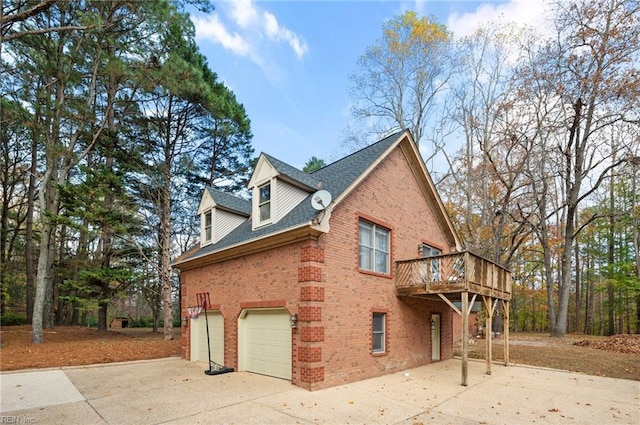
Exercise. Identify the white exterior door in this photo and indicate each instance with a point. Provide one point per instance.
(264, 339)
(435, 337)
(199, 352)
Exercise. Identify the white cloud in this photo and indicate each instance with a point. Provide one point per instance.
(211, 28)
(279, 33)
(247, 30)
(244, 13)
(533, 13)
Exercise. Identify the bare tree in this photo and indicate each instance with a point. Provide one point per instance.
(400, 77)
(490, 165)
(590, 67)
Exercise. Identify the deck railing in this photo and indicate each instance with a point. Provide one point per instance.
(450, 273)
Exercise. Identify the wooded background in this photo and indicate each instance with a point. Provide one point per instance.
(112, 122)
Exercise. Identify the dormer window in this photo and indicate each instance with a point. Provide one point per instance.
(220, 213)
(207, 226)
(276, 189)
(264, 202)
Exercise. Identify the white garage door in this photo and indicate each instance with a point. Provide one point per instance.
(265, 343)
(199, 352)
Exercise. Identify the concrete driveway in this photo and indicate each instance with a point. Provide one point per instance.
(174, 391)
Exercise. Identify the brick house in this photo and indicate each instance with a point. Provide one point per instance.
(303, 278)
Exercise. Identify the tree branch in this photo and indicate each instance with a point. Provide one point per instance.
(23, 16)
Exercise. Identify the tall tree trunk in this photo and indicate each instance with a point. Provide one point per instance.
(548, 270)
(576, 326)
(574, 160)
(107, 245)
(29, 257)
(47, 316)
(635, 161)
(109, 136)
(60, 304)
(600, 314)
(588, 297)
(102, 315)
(610, 259)
(165, 243)
(43, 282)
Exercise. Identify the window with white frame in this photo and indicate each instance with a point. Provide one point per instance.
(378, 345)
(373, 244)
(207, 226)
(433, 264)
(264, 202)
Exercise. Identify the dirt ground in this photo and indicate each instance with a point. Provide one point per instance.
(615, 357)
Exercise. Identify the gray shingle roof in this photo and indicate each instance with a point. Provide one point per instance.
(335, 178)
(230, 202)
(293, 173)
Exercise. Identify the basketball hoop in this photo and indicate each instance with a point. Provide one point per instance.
(204, 300)
(194, 311)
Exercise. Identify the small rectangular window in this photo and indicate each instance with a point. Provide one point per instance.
(373, 246)
(264, 202)
(207, 226)
(379, 332)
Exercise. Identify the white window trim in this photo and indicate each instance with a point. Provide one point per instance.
(270, 202)
(374, 249)
(205, 240)
(382, 332)
(256, 219)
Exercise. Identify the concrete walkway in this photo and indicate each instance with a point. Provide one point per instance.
(177, 392)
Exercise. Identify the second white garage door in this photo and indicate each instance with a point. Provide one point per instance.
(265, 343)
(199, 352)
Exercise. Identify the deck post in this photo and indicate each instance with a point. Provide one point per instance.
(488, 307)
(465, 337)
(505, 308)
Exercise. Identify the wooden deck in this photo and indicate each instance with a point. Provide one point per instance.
(451, 275)
(454, 277)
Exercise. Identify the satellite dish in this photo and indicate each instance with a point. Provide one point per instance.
(320, 200)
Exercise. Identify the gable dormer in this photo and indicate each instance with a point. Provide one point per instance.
(276, 189)
(220, 213)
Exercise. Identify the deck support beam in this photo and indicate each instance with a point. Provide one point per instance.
(465, 337)
(505, 326)
(489, 306)
(452, 305)
(464, 313)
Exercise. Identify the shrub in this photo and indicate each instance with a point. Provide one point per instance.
(13, 319)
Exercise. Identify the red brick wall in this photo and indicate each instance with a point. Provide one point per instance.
(389, 196)
(267, 279)
(334, 300)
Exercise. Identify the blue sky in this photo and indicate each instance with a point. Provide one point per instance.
(288, 62)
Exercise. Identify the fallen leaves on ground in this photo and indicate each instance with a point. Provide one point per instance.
(79, 345)
(618, 343)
